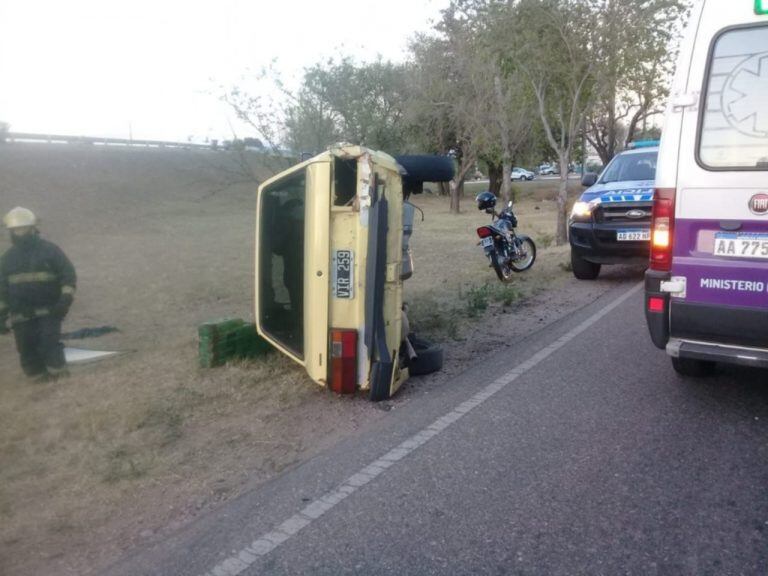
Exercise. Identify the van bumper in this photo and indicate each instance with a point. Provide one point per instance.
(658, 322)
(707, 351)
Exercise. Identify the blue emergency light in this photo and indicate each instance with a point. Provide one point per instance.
(642, 144)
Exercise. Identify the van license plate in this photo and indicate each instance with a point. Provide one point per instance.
(740, 245)
(633, 235)
(343, 277)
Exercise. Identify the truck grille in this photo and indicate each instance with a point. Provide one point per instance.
(631, 213)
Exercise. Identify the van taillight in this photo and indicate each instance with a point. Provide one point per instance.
(662, 229)
(484, 232)
(343, 362)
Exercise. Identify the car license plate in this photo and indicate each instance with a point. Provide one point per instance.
(741, 245)
(343, 273)
(633, 235)
(487, 242)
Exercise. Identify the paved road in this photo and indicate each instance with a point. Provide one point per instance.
(577, 451)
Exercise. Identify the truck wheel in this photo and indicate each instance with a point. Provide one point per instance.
(583, 269)
(693, 368)
(429, 357)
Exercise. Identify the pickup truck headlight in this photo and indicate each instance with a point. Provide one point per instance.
(582, 210)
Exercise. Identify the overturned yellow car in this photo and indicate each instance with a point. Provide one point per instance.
(331, 257)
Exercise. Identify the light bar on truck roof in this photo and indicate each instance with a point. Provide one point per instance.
(642, 144)
(761, 7)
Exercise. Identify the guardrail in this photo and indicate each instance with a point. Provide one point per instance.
(93, 140)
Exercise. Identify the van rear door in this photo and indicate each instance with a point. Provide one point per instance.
(720, 246)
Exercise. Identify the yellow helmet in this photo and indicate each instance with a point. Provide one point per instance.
(19, 218)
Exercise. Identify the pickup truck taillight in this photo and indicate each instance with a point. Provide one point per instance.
(662, 229)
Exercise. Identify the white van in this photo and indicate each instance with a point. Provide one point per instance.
(707, 287)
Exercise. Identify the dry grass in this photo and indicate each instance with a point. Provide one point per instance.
(452, 283)
(163, 241)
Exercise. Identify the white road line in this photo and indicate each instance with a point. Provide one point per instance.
(240, 561)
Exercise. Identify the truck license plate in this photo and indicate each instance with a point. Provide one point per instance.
(633, 235)
(741, 245)
(343, 276)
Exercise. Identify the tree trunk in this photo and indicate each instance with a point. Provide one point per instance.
(561, 234)
(495, 171)
(506, 157)
(506, 181)
(455, 186)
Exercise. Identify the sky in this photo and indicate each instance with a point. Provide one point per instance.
(153, 69)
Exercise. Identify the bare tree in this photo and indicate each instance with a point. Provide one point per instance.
(554, 44)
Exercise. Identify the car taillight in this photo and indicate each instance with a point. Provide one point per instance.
(343, 361)
(484, 232)
(662, 229)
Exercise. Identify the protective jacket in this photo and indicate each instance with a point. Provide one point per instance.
(35, 279)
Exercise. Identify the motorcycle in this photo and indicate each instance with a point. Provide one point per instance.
(507, 251)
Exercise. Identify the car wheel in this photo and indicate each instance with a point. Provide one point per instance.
(429, 357)
(583, 269)
(427, 168)
(693, 368)
(529, 178)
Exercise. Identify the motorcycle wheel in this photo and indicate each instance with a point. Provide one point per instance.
(503, 271)
(529, 255)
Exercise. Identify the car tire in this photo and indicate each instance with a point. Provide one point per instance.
(529, 178)
(690, 368)
(583, 269)
(429, 357)
(426, 168)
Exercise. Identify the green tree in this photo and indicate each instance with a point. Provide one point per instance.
(452, 105)
(343, 101)
(639, 40)
(555, 45)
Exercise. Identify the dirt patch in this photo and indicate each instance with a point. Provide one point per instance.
(128, 450)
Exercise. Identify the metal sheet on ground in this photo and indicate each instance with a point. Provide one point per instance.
(80, 355)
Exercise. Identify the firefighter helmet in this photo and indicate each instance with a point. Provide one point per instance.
(20, 218)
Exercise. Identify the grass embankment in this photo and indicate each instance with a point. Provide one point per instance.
(163, 241)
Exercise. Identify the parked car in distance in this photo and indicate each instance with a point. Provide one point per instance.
(546, 170)
(522, 174)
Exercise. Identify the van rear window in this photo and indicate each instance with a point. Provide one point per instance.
(734, 124)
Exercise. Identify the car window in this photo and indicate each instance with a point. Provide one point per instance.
(281, 261)
(734, 123)
(631, 167)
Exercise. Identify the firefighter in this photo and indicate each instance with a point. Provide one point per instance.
(37, 286)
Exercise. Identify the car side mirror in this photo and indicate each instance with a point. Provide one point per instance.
(589, 179)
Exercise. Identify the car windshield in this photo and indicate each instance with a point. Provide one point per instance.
(281, 262)
(631, 167)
